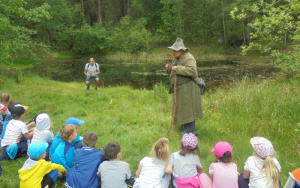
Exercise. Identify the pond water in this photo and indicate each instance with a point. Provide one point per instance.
(146, 75)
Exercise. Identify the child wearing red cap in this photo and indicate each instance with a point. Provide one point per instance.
(185, 164)
(224, 173)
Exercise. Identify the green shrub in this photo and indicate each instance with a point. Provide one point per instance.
(132, 38)
(90, 40)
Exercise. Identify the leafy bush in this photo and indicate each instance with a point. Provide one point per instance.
(132, 38)
(90, 40)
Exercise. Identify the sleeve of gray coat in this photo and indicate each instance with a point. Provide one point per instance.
(188, 69)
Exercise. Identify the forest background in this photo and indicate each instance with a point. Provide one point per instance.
(31, 28)
(36, 31)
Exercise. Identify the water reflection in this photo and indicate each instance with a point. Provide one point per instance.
(146, 75)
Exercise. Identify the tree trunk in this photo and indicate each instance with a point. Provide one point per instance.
(82, 9)
(99, 18)
(224, 32)
(128, 8)
(122, 7)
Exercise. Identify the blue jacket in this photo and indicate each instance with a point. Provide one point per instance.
(84, 171)
(57, 140)
(64, 155)
(6, 121)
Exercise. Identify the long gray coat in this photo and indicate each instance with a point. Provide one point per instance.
(189, 105)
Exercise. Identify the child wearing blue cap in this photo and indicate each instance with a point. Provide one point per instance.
(36, 172)
(77, 143)
(87, 160)
(64, 154)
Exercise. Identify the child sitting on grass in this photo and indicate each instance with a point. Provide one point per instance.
(7, 118)
(113, 173)
(224, 173)
(185, 164)
(5, 98)
(87, 160)
(14, 143)
(294, 179)
(43, 131)
(151, 171)
(77, 143)
(262, 170)
(64, 153)
(36, 172)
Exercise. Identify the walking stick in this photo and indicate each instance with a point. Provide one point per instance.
(175, 103)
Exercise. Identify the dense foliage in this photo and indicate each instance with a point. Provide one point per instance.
(132, 26)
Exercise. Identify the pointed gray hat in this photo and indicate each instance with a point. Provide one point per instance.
(178, 45)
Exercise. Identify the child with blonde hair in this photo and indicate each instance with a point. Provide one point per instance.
(224, 173)
(262, 170)
(151, 172)
(64, 154)
(185, 164)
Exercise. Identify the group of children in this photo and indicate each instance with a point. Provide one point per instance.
(77, 160)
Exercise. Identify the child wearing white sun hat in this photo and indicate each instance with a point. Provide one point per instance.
(262, 170)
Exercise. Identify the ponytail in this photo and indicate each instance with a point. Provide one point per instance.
(271, 171)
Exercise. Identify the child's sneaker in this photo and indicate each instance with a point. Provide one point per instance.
(96, 89)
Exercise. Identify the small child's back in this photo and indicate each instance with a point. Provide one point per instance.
(224, 175)
(87, 161)
(114, 174)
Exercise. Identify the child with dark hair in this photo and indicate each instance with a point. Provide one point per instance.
(113, 173)
(64, 153)
(36, 172)
(87, 160)
(185, 164)
(224, 173)
(14, 143)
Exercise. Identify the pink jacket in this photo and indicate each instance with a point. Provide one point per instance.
(198, 181)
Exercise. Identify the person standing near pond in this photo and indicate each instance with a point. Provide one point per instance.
(92, 70)
(188, 99)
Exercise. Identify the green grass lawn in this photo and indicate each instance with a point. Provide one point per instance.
(137, 118)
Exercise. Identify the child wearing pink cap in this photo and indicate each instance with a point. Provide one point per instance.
(262, 170)
(224, 173)
(185, 164)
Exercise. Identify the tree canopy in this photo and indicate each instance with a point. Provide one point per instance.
(133, 26)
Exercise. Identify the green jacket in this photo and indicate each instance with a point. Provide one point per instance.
(189, 105)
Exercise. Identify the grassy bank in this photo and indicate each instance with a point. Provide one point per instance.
(137, 118)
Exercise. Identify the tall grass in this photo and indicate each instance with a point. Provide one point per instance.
(137, 118)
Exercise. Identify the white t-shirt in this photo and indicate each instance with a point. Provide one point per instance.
(257, 178)
(14, 132)
(184, 166)
(151, 174)
(91, 69)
